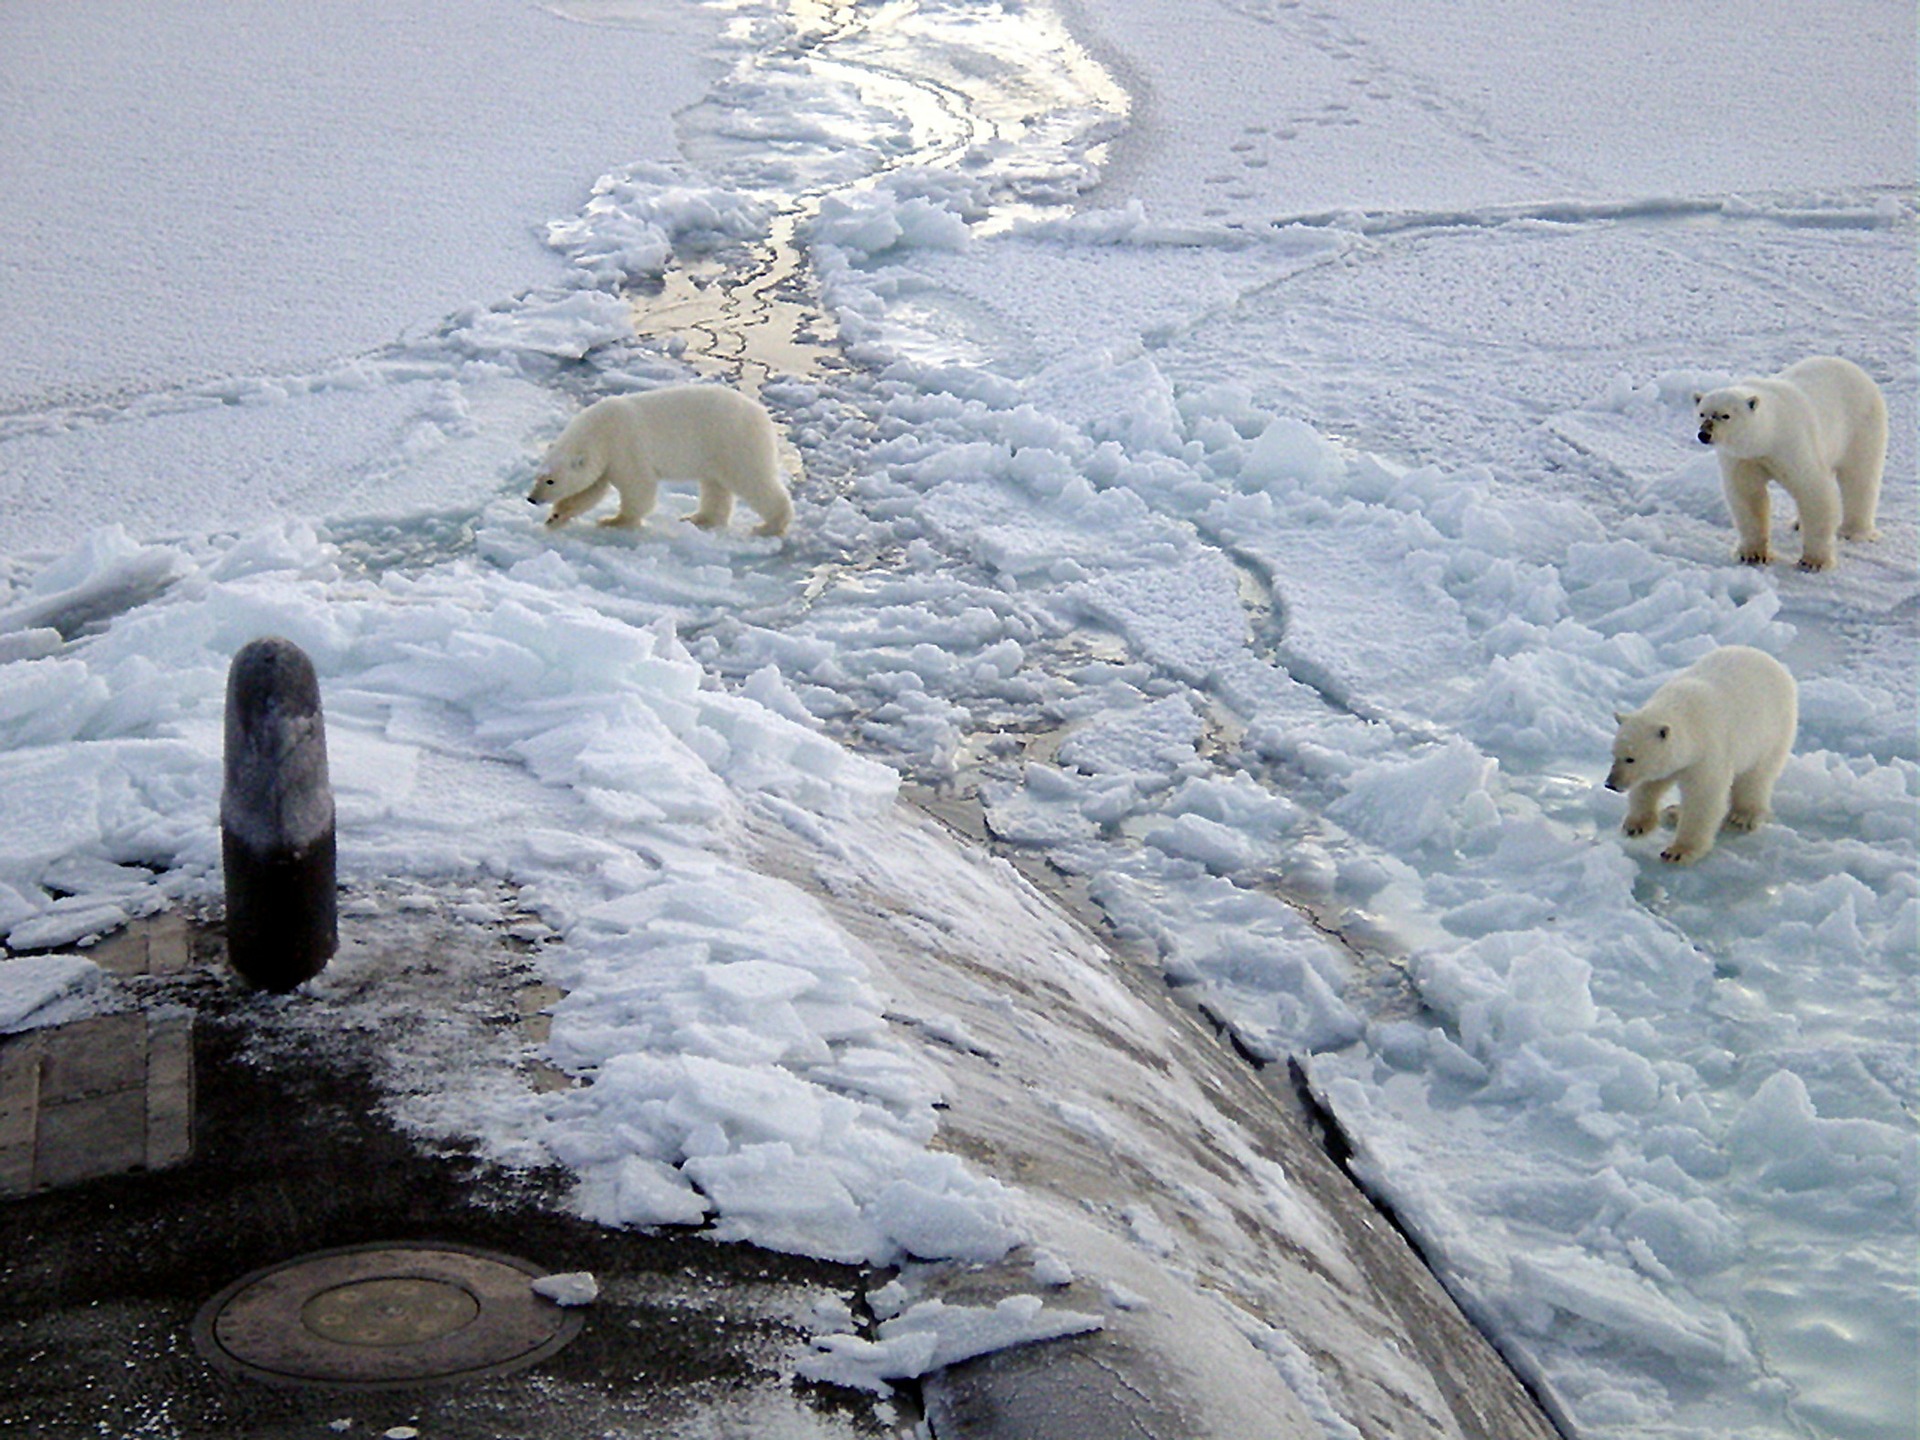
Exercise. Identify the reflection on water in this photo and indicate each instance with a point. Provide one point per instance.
(1002, 91)
(1003, 94)
(748, 324)
(97, 1097)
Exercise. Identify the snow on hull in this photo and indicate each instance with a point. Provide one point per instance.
(1241, 1285)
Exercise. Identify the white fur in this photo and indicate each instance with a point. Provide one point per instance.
(1819, 428)
(1721, 730)
(630, 443)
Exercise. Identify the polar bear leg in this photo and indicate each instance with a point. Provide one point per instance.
(1859, 476)
(716, 506)
(1703, 809)
(637, 494)
(1751, 800)
(774, 508)
(572, 505)
(1744, 483)
(1817, 497)
(1643, 806)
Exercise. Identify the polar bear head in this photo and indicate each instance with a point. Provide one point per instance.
(575, 462)
(1733, 418)
(1647, 747)
(567, 470)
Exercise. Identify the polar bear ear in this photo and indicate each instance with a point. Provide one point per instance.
(1698, 397)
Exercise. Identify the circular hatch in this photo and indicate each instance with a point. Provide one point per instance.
(384, 1316)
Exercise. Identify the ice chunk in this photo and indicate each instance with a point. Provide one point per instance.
(31, 986)
(1429, 800)
(940, 1224)
(571, 1289)
(1780, 1137)
(933, 1334)
(1614, 1298)
(775, 1196)
(1292, 453)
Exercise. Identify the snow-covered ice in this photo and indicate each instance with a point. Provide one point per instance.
(571, 1288)
(1259, 466)
(931, 1334)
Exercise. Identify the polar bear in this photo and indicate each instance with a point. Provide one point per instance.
(1818, 427)
(630, 443)
(1721, 730)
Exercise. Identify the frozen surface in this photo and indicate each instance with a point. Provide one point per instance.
(224, 189)
(1345, 108)
(1261, 466)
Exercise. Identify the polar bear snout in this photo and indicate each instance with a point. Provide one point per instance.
(1620, 776)
(1706, 434)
